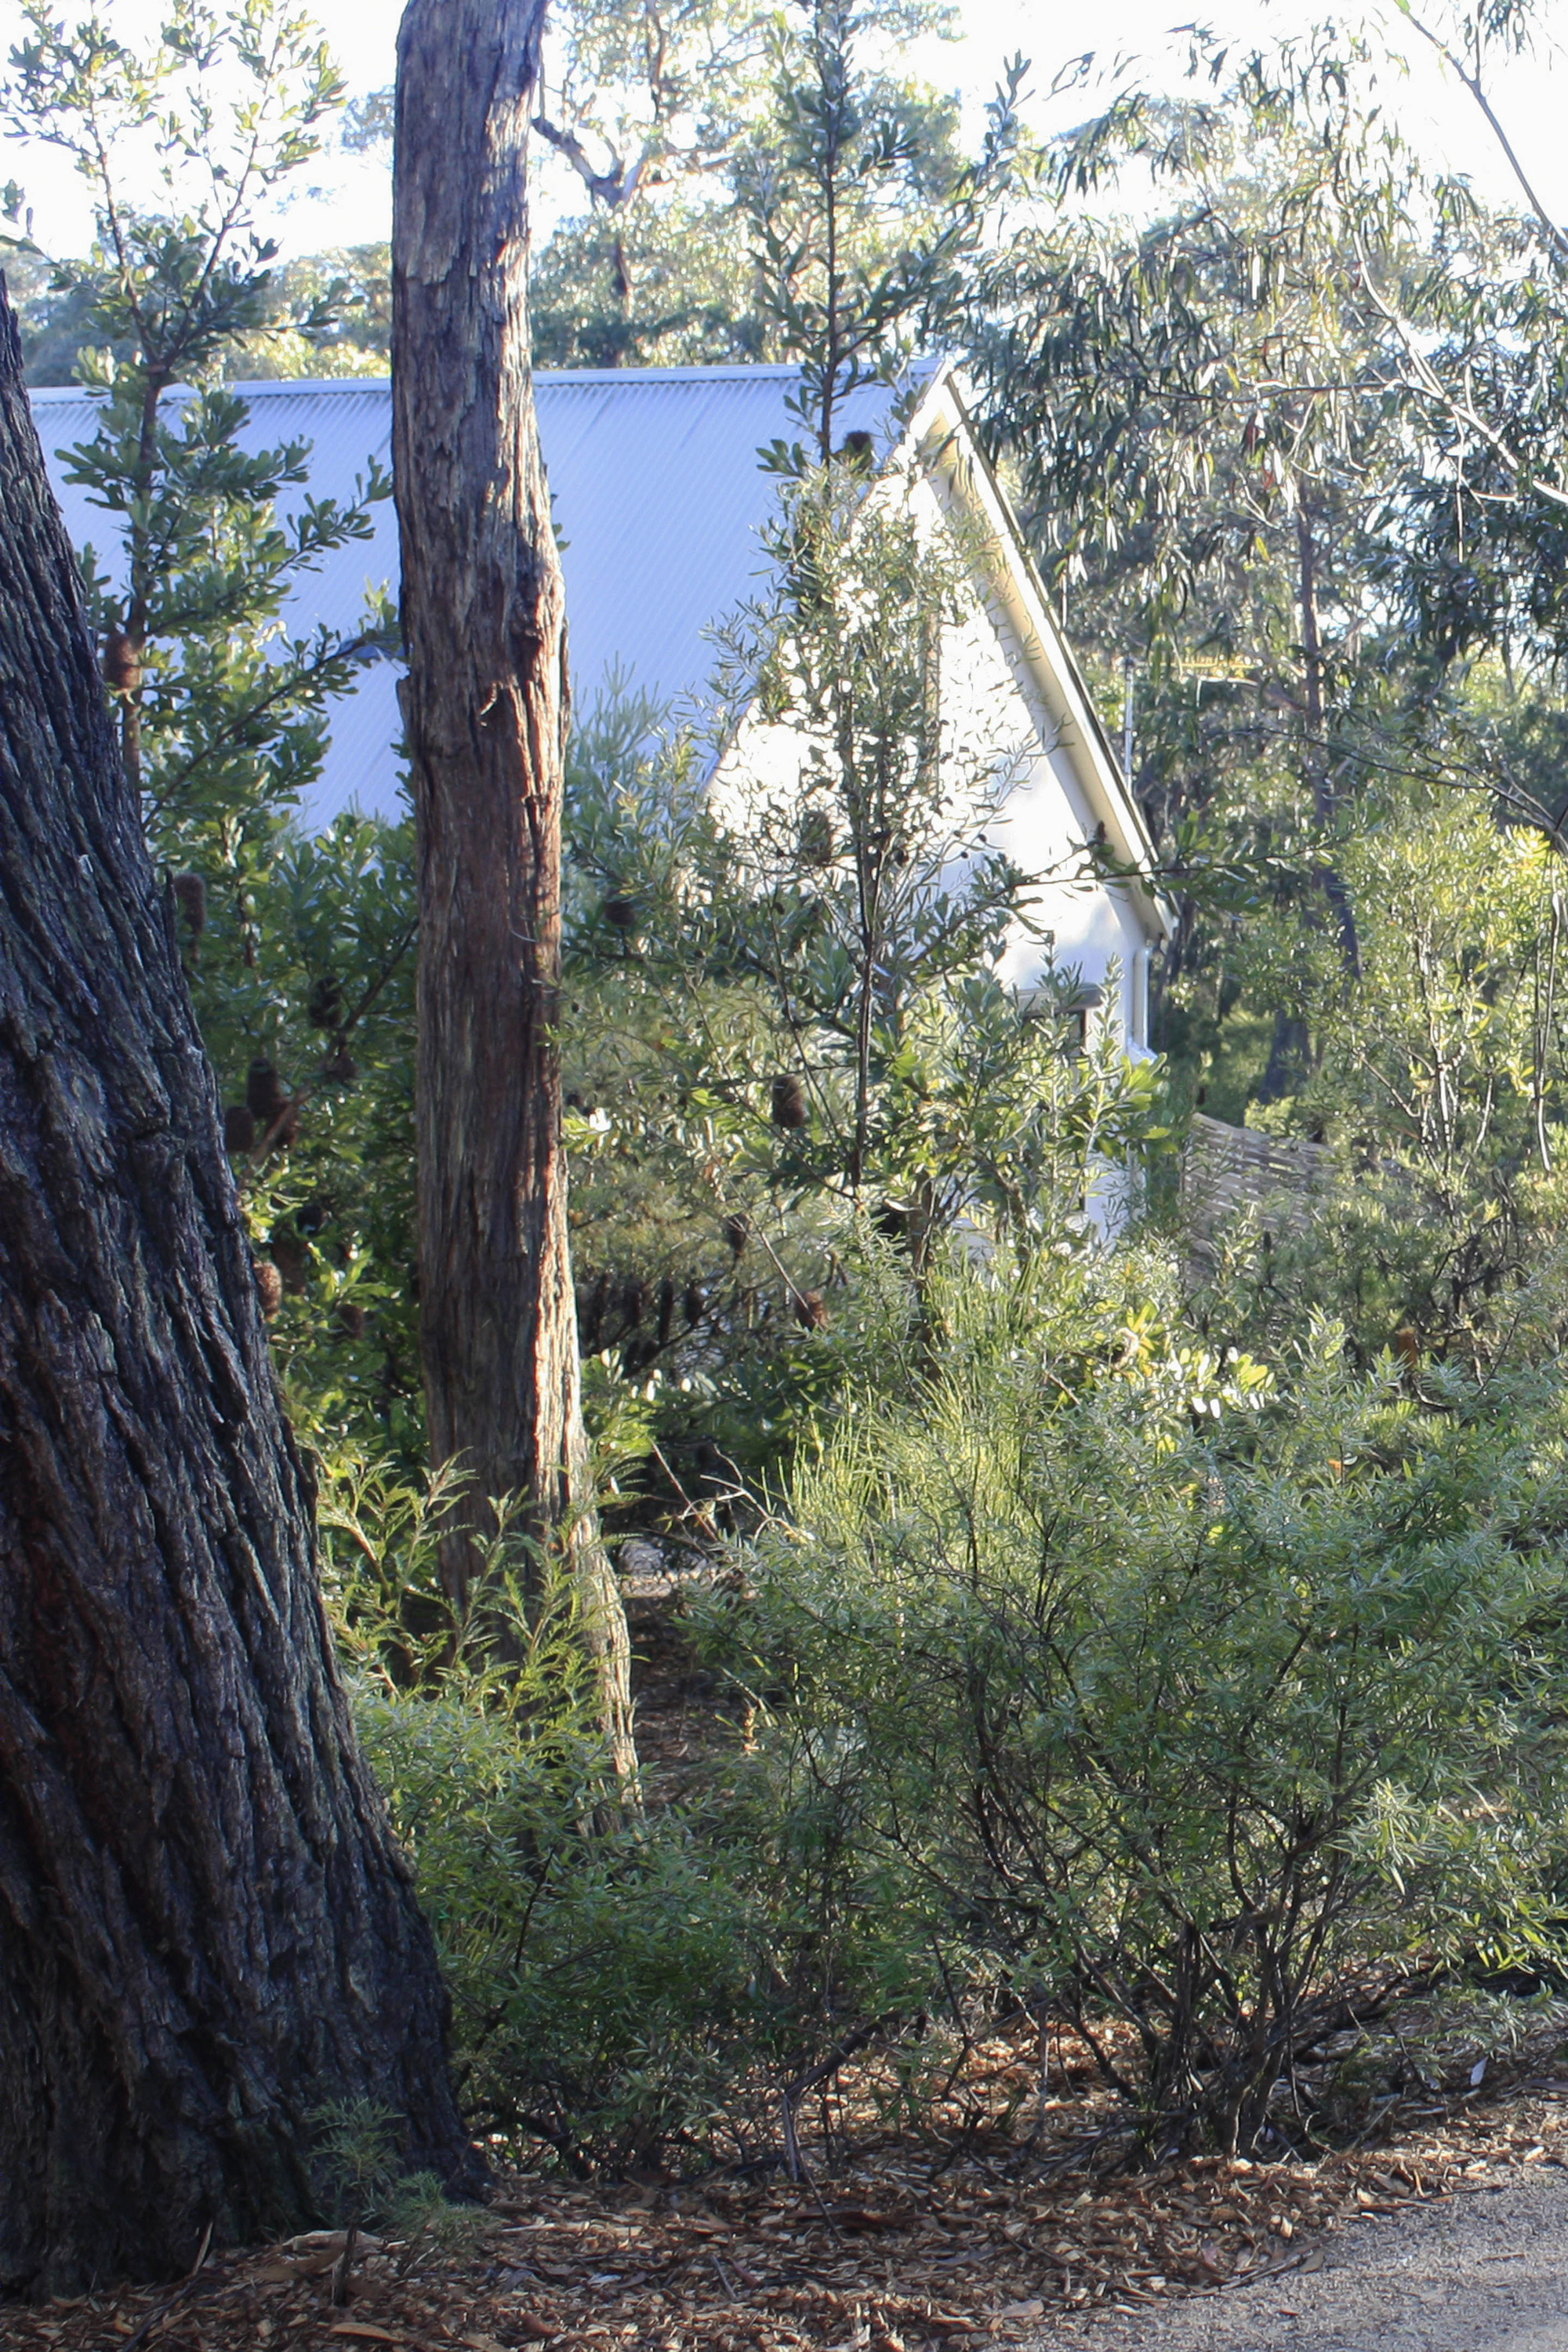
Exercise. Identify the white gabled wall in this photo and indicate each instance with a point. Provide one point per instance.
(996, 721)
(1045, 822)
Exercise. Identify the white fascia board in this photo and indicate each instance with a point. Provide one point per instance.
(940, 437)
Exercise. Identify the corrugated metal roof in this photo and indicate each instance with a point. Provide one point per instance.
(659, 497)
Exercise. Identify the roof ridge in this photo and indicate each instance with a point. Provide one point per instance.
(719, 372)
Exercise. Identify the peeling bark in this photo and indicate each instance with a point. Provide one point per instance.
(206, 1928)
(485, 704)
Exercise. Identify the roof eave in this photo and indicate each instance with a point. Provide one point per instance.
(944, 412)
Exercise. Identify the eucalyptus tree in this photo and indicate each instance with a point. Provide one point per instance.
(207, 1934)
(646, 103)
(1207, 427)
(1300, 444)
(643, 98)
(694, 207)
(1455, 307)
(486, 708)
(682, 293)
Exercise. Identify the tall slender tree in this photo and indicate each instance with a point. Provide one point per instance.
(206, 1931)
(486, 706)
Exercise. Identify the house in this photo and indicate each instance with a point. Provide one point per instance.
(658, 499)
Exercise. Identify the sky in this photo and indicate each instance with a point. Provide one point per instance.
(347, 199)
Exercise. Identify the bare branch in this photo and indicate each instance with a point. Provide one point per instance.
(1429, 383)
(1471, 79)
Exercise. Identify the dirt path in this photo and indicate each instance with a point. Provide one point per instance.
(1486, 2272)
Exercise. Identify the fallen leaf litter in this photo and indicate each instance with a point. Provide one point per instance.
(902, 2252)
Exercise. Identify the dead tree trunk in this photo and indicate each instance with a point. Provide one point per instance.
(206, 1930)
(485, 705)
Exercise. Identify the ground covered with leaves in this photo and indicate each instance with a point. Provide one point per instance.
(902, 2244)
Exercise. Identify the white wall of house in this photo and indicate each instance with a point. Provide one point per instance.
(661, 501)
(1019, 765)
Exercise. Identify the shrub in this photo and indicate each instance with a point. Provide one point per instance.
(1175, 1694)
(592, 1976)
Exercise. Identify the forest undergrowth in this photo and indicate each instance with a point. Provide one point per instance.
(1010, 2206)
(1102, 1813)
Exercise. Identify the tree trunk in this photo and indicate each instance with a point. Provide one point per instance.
(206, 1930)
(1328, 878)
(485, 705)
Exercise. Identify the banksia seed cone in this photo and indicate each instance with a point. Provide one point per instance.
(634, 1298)
(811, 1310)
(592, 1315)
(291, 1257)
(1407, 1348)
(789, 1102)
(325, 1007)
(263, 1091)
(190, 896)
(622, 913)
(666, 1310)
(696, 1302)
(737, 1232)
(351, 1317)
(342, 1069)
(813, 844)
(121, 664)
(269, 1286)
(239, 1128)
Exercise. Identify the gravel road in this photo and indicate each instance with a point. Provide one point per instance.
(1486, 2272)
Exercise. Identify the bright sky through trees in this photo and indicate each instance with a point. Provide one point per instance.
(347, 200)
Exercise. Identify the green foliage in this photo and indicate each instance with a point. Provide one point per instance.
(588, 1965)
(1438, 1088)
(864, 810)
(324, 314)
(640, 1993)
(1202, 418)
(328, 314)
(1290, 439)
(221, 716)
(787, 1046)
(1184, 1693)
(690, 300)
(1135, 1681)
(205, 123)
(304, 986)
(597, 1975)
(592, 1975)
(1176, 1662)
(366, 2183)
(220, 710)
(863, 218)
(298, 947)
(56, 323)
(357, 2150)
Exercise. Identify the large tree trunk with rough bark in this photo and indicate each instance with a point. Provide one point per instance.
(485, 704)
(206, 1930)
